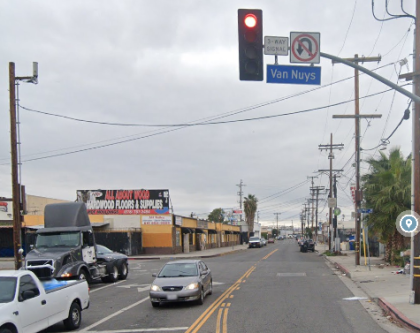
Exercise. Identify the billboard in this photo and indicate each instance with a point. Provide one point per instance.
(125, 202)
(6, 210)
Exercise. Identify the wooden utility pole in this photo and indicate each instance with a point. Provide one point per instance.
(331, 146)
(316, 190)
(416, 155)
(358, 193)
(17, 243)
(18, 199)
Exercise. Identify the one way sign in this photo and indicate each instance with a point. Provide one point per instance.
(305, 47)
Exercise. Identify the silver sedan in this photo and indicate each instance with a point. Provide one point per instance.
(181, 281)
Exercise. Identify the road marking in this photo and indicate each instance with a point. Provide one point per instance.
(107, 286)
(225, 321)
(195, 327)
(134, 285)
(355, 298)
(113, 315)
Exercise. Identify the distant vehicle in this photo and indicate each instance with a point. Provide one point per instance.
(116, 263)
(29, 305)
(281, 237)
(254, 241)
(307, 245)
(263, 242)
(300, 241)
(271, 240)
(181, 281)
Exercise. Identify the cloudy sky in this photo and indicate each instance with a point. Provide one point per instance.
(156, 64)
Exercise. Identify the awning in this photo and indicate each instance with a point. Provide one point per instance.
(186, 231)
(98, 225)
(212, 231)
(199, 231)
(35, 227)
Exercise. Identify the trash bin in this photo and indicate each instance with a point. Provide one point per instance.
(351, 245)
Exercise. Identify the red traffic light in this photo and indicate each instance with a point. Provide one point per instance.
(250, 20)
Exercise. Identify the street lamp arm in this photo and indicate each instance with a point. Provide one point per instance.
(374, 75)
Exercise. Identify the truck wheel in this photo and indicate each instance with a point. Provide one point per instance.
(75, 317)
(83, 275)
(5, 330)
(123, 271)
(113, 275)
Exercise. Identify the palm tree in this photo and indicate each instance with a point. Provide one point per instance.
(250, 207)
(387, 189)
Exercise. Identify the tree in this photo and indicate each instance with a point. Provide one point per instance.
(217, 215)
(387, 189)
(250, 207)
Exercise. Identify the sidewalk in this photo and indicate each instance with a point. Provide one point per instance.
(389, 290)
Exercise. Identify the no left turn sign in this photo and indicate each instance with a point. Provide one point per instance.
(305, 47)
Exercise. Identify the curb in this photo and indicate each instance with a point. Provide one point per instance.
(397, 315)
(342, 269)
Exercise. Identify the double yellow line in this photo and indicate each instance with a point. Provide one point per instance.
(223, 310)
(195, 327)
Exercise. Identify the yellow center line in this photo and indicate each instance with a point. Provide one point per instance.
(206, 314)
(196, 326)
(219, 316)
(225, 321)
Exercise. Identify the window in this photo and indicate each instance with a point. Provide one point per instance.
(27, 284)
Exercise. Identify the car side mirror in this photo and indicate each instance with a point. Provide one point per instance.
(154, 274)
(203, 272)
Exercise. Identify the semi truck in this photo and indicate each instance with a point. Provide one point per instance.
(65, 248)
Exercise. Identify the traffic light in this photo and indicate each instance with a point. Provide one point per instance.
(250, 30)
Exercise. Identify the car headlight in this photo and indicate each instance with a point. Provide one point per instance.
(192, 286)
(155, 287)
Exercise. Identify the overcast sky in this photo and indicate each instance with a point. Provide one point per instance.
(176, 62)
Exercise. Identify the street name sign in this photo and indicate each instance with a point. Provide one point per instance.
(293, 74)
(365, 210)
(305, 47)
(276, 45)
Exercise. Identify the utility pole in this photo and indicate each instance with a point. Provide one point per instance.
(18, 202)
(416, 154)
(316, 190)
(331, 147)
(277, 218)
(357, 116)
(240, 193)
(313, 209)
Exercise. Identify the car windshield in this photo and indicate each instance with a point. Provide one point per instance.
(57, 239)
(103, 250)
(179, 270)
(254, 239)
(7, 289)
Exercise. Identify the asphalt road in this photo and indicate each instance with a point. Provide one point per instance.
(272, 289)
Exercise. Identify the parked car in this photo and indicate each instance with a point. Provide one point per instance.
(263, 242)
(181, 281)
(116, 263)
(271, 240)
(254, 241)
(307, 245)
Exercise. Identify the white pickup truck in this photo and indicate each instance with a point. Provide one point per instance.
(28, 305)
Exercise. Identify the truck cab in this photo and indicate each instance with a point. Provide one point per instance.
(65, 248)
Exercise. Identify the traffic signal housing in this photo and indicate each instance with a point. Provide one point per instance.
(250, 33)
